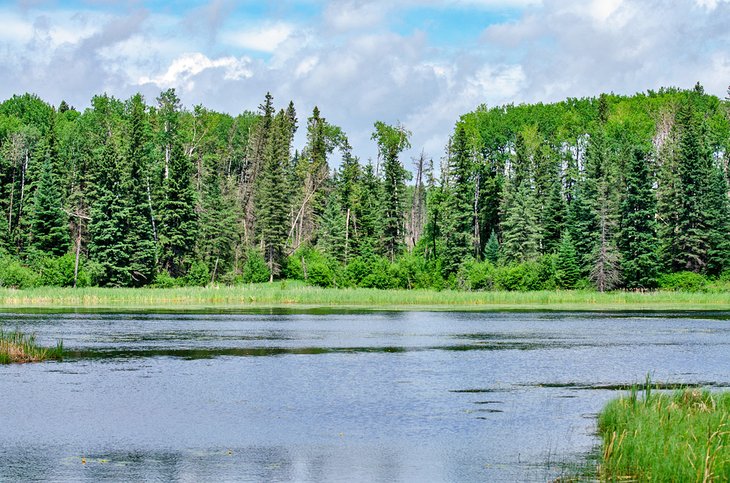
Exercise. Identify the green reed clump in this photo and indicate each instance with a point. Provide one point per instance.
(684, 436)
(17, 347)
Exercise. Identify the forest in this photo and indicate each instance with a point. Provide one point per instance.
(610, 192)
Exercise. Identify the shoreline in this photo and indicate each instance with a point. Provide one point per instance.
(292, 296)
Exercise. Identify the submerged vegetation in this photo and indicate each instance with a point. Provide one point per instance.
(684, 436)
(17, 347)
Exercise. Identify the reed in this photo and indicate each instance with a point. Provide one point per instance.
(683, 436)
(296, 294)
(17, 347)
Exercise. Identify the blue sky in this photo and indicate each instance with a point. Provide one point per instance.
(419, 62)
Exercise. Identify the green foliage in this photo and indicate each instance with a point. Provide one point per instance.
(255, 269)
(527, 276)
(198, 275)
(59, 272)
(13, 274)
(690, 426)
(567, 270)
(49, 225)
(682, 281)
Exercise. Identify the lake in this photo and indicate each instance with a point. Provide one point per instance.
(368, 396)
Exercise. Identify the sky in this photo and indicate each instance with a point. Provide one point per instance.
(422, 63)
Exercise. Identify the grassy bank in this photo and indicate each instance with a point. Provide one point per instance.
(16, 347)
(298, 295)
(683, 436)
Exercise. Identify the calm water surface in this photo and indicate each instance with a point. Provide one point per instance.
(335, 397)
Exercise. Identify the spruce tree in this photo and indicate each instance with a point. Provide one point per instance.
(178, 221)
(138, 223)
(567, 269)
(492, 250)
(391, 141)
(49, 223)
(520, 230)
(272, 199)
(458, 217)
(638, 238)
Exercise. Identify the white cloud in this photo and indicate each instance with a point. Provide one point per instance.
(182, 70)
(265, 38)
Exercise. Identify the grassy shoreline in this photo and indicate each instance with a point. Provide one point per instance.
(294, 295)
(684, 436)
(17, 347)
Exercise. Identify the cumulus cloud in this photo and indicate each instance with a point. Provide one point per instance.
(347, 58)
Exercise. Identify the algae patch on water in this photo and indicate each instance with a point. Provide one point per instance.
(17, 347)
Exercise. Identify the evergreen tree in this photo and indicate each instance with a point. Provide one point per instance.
(138, 223)
(178, 221)
(520, 231)
(272, 201)
(458, 218)
(331, 238)
(638, 238)
(49, 223)
(567, 269)
(391, 141)
(491, 250)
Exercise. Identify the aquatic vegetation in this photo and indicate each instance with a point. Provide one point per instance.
(295, 294)
(683, 436)
(17, 347)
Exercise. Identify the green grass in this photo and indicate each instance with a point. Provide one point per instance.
(684, 436)
(17, 347)
(298, 295)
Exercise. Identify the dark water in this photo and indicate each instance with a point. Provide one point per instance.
(335, 397)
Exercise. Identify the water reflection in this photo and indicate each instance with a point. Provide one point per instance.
(347, 396)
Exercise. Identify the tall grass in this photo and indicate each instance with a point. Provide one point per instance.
(684, 436)
(18, 347)
(290, 293)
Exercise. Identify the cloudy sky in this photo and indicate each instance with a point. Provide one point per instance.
(419, 62)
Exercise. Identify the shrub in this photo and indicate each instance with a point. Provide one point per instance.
(164, 280)
(198, 275)
(521, 277)
(59, 272)
(255, 269)
(13, 274)
(684, 281)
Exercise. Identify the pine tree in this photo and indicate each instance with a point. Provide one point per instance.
(567, 269)
(331, 238)
(391, 141)
(638, 239)
(717, 214)
(178, 221)
(458, 218)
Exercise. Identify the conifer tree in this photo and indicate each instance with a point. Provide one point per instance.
(458, 218)
(638, 238)
(272, 200)
(491, 250)
(567, 269)
(391, 141)
(138, 225)
(520, 231)
(49, 223)
(178, 221)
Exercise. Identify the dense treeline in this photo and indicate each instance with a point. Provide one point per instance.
(610, 192)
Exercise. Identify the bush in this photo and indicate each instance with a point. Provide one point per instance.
(255, 269)
(319, 273)
(198, 275)
(15, 275)
(164, 280)
(521, 277)
(682, 281)
(478, 275)
(59, 272)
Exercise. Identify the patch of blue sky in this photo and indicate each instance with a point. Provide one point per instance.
(453, 27)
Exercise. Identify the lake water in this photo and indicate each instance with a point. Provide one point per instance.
(406, 396)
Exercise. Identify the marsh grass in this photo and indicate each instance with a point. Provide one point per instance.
(683, 436)
(17, 347)
(293, 294)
